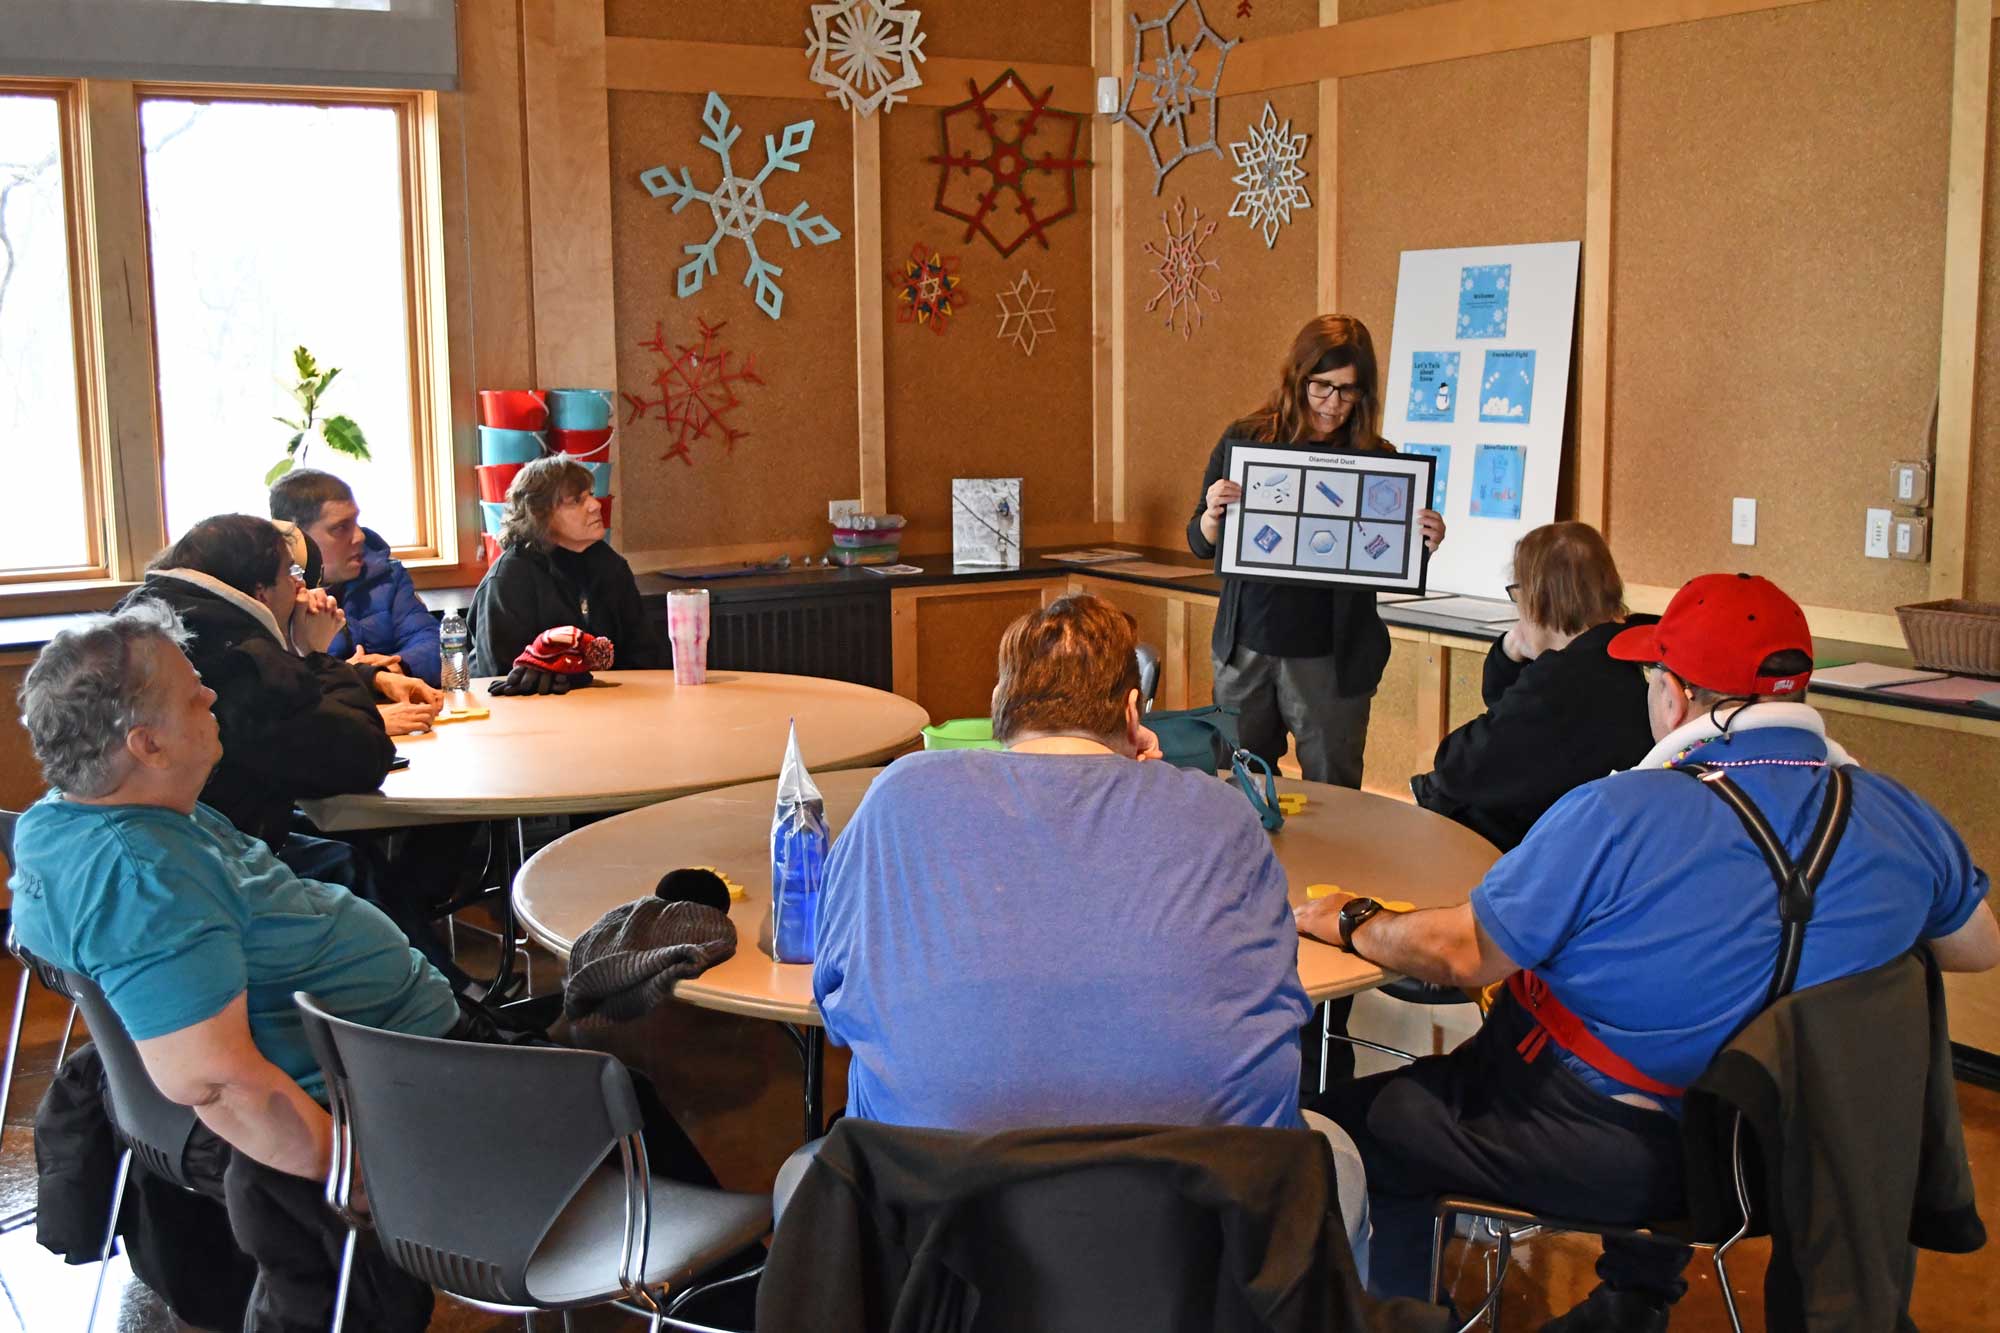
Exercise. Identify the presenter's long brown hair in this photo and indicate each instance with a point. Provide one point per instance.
(1327, 342)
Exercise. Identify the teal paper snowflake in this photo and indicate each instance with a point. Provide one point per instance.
(737, 206)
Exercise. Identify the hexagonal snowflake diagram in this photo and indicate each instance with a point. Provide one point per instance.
(1008, 171)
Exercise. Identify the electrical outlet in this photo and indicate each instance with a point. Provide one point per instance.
(1910, 484)
(1743, 522)
(1876, 545)
(1910, 538)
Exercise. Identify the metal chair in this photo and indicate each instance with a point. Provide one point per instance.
(7, 821)
(1149, 675)
(147, 1125)
(514, 1178)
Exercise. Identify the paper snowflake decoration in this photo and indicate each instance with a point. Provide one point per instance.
(1243, 9)
(1175, 85)
(1007, 172)
(1027, 311)
(874, 47)
(737, 206)
(1182, 269)
(928, 289)
(697, 391)
(1268, 176)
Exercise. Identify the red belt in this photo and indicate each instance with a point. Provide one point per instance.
(1554, 1022)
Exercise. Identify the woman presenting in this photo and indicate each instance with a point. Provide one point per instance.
(1293, 658)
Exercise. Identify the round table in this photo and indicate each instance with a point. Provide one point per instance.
(631, 739)
(1364, 843)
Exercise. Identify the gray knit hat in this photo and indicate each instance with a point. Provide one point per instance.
(625, 964)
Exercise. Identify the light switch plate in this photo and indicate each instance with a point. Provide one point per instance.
(1743, 522)
(1876, 545)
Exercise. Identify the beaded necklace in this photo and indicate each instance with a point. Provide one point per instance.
(1740, 763)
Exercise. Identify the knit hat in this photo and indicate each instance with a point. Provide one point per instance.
(627, 963)
(567, 651)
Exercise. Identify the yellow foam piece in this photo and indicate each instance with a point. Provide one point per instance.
(1323, 890)
(1397, 905)
(736, 891)
(1291, 802)
(462, 715)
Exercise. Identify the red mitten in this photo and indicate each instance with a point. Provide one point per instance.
(567, 651)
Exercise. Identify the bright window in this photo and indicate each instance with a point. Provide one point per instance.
(48, 515)
(274, 225)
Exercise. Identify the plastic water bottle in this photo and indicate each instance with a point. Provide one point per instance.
(798, 858)
(453, 640)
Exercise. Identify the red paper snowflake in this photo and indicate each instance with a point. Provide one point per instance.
(1243, 9)
(991, 151)
(697, 391)
(1183, 269)
(928, 288)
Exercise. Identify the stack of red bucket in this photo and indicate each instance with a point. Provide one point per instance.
(517, 426)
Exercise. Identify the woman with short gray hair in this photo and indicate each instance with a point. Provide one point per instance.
(555, 569)
(87, 690)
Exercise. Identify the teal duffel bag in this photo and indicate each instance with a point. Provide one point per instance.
(1204, 739)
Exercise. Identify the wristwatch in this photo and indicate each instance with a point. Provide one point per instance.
(1352, 913)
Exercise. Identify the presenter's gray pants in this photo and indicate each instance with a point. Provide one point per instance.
(1301, 695)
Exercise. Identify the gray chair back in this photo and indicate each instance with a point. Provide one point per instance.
(469, 1151)
(8, 818)
(1149, 674)
(155, 1129)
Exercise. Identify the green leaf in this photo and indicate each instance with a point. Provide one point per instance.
(344, 437)
(325, 379)
(282, 466)
(303, 361)
(287, 421)
(292, 445)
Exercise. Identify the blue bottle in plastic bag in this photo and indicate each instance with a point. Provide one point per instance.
(798, 858)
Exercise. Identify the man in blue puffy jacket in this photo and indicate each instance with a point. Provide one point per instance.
(387, 623)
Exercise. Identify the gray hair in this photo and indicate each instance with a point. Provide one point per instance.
(532, 499)
(88, 688)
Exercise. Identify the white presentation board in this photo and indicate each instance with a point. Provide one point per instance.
(1332, 518)
(1478, 379)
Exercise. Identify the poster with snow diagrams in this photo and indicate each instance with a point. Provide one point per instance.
(1311, 517)
(1478, 370)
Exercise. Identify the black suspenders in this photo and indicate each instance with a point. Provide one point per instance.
(1796, 881)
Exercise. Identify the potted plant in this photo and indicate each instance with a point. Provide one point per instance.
(340, 433)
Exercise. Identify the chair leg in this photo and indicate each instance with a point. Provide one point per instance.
(110, 1236)
(1440, 1228)
(346, 1278)
(69, 1030)
(13, 1046)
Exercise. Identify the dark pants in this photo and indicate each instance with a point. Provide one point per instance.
(1482, 1121)
(1301, 695)
(282, 1222)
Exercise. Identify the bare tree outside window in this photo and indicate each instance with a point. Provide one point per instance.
(43, 515)
(275, 224)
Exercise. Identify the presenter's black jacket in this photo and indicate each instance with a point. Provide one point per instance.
(1293, 620)
(528, 591)
(1226, 1229)
(1552, 724)
(293, 728)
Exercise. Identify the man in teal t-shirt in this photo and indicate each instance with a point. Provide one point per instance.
(197, 935)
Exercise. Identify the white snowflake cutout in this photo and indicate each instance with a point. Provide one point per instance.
(1027, 311)
(1268, 176)
(873, 46)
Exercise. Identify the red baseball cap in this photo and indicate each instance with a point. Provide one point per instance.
(1718, 632)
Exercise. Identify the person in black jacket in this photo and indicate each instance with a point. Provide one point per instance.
(1290, 658)
(556, 569)
(1559, 711)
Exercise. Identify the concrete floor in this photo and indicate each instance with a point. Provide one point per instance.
(735, 1084)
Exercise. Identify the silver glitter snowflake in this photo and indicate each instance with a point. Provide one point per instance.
(1175, 83)
(1027, 311)
(737, 206)
(873, 46)
(1268, 176)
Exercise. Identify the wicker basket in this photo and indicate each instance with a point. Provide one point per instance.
(1954, 635)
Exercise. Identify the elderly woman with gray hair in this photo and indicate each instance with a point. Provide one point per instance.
(556, 569)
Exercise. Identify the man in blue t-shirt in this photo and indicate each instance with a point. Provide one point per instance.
(1061, 934)
(1641, 905)
(197, 936)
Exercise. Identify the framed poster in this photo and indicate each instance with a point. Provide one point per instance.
(1327, 518)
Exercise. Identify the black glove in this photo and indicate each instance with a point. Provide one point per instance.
(534, 680)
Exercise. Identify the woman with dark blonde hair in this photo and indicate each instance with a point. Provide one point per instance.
(557, 569)
(1560, 712)
(1293, 658)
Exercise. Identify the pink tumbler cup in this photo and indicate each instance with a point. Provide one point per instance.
(687, 627)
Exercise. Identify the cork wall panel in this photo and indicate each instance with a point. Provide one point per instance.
(1485, 151)
(1049, 32)
(1395, 751)
(1267, 18)
(1181, 392)
(1982, 558)
(756, 24)
(800, 449)
(967, 403)
(958, 644)
(1779, 240)
(1350, 10)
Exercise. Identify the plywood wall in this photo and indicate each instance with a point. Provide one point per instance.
(1779, 228)
(797, 451)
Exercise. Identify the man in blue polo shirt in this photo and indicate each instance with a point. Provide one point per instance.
(1642, 906)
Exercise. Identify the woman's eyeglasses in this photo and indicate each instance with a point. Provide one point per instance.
(1348, 393)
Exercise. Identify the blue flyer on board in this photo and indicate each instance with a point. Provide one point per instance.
(1482, 300)
(1433, 386)
(1507, 389)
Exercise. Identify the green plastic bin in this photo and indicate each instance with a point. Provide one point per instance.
(962, 733)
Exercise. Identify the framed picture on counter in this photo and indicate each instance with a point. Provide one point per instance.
(1327, 518)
